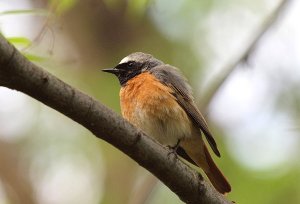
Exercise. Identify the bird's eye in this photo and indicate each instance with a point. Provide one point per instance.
(130, 64)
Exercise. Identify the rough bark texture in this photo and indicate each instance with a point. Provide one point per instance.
(16, 72)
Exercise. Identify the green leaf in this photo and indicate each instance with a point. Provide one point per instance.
(19, 41)
(34, 58)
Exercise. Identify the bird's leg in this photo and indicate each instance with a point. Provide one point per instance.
(173, 149)
(176, 146)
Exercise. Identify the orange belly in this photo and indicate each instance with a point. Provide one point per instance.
(149, 105)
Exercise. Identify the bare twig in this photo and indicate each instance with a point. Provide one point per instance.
(42, 32)
(16, 72)
(244, 56)
(16, 182)
(142, 193)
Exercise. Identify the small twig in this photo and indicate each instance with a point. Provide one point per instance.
(42, 31)
(142, 192)
(228, 69)
(14, 180)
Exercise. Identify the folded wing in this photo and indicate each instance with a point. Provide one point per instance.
(171, 77)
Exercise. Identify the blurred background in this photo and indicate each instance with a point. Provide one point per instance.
(241, 58)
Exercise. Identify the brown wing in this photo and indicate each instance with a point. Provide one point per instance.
(171, 77)
(180, 151)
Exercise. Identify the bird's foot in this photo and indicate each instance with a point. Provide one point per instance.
(173, 149)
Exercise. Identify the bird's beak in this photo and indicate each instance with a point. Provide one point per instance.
(111, 70)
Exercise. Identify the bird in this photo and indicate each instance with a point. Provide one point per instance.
(156, 98)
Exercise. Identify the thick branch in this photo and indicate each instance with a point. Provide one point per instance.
(18, 73)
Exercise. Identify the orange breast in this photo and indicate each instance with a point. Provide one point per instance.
(150, 105)
(145, 92)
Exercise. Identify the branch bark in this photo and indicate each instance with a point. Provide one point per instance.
(16, 72)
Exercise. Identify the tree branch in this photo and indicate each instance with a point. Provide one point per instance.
(16, 72)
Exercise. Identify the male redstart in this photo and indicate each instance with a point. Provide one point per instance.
(156, 98)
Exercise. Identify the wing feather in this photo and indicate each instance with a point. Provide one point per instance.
(171, 77)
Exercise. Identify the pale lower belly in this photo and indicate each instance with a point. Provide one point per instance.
(167, 128)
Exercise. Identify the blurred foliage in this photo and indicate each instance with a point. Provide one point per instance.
(36, 12)
(62, 6)
(91, 35)
(19, 41)
(23, 42)
(34, 58)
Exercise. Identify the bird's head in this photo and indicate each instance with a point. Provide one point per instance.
(133, 65)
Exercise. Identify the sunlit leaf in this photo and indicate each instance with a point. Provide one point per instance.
(34, 58)
(19, 41)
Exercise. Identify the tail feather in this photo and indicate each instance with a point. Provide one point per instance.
(215, 176)
(196, 150)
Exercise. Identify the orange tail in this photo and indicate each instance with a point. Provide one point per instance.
(197, 151)
(215, 176)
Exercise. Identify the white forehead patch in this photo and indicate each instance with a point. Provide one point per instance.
(124, 60)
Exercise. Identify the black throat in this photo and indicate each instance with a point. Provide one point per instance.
(127, 71)
(124, 77)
